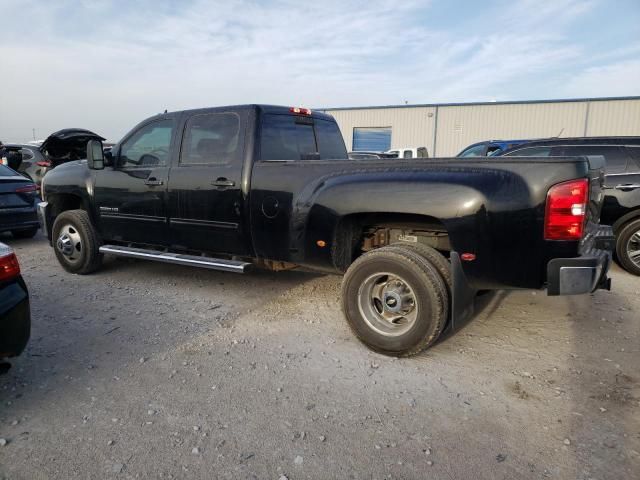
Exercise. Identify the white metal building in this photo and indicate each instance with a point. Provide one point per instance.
(445, 129)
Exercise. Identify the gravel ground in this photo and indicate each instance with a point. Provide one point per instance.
(145, 370)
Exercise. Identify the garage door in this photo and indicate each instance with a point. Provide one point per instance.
(373, 139)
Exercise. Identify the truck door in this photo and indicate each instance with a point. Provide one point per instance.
(205, 194)
(130, 196)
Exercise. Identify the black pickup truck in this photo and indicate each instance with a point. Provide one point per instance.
(234, 187)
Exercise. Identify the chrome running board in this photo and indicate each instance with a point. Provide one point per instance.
(177, 258)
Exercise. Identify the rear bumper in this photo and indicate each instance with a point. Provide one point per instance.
(15, 318)
(586, 273)
(18, 219)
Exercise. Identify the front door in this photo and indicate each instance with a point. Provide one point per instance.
(205, 194)
(131, 195)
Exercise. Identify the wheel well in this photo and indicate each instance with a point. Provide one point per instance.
(62, 202)
(360, 233)
(628, 217)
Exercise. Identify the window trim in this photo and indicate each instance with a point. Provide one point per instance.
(184, 133)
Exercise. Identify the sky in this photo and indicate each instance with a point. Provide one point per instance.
(106, 65)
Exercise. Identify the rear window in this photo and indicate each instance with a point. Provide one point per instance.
(287, 137)
(211, 138)
(7, 172)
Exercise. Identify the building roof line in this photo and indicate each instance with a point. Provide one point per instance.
(466, 104)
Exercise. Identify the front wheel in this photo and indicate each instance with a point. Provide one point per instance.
(76, 242)
(628, 247)
(395, 301)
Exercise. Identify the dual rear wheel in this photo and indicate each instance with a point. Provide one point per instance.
(396, 298)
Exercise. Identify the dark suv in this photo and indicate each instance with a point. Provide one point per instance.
(621, 207)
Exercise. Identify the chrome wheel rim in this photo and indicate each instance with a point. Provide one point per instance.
(633, 248)
(69, 243)
(388, 304)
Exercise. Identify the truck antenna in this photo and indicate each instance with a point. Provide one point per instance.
(560, 133)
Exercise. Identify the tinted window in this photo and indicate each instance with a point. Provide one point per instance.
(285, 139)
(635, 154)
(211, 138)
(149, 146)
(477, 151)
(493, 151)
(615, 157)
(531, 152)
(330, 142)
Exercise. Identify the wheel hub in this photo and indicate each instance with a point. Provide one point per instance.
(65, 245)
(387, 303)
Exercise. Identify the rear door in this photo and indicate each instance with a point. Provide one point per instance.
(622, 179)
(130, 196)
(205, 190)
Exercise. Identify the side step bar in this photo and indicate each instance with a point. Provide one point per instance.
(177, 258)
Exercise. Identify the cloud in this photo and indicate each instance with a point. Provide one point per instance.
(106, 65)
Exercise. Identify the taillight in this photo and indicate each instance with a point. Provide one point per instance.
(566, 210)
(43, 164)
(9, 267)
(300, 110)
(28, 188)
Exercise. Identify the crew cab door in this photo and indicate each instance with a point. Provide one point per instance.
(130, 195)
(205, 190)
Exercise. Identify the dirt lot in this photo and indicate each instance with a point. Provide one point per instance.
(146, 370)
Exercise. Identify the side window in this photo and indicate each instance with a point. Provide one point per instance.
(330, 141)
(407, 154)
(531, 152)
(615, 157)
(422, 152)
(634, 152)
(211, 139)
(477, 151)
(282, 138)
(147, 147)
(493, 150)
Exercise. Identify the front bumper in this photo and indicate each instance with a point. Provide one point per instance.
(586, 273)
(43, 218)
(15, 318)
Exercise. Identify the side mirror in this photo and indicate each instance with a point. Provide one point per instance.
(95, 157)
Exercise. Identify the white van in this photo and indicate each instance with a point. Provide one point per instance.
(409, 152)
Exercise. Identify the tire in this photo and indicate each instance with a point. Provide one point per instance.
(435, 258)
(25, 233)
(628, 247)
(76, 242)
(418, 292)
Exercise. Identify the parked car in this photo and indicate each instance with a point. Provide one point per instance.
(621, 207)
(409, 152)
(365, 155)
(272, 187)
(34, 161)
(28, 160)
(490, 148)
(15, 315)
(18, 202)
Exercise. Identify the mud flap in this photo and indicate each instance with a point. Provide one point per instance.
(462, 303)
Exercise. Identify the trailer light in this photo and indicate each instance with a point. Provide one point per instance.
(43, 164)
(300, 110)
(468, 257)
(321, 243)
(566, 210)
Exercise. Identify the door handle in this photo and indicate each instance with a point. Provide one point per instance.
(223, 182)
(627, 186)
(153, 181)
